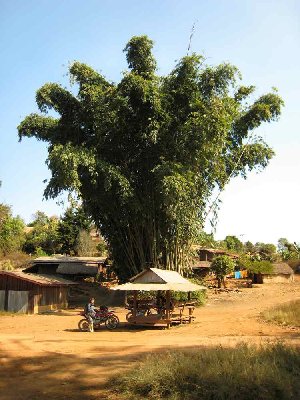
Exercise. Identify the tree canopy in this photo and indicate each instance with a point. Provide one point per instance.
(222, 266)
(11, 231)
(145, 154)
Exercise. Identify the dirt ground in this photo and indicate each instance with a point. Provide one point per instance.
(46, 357)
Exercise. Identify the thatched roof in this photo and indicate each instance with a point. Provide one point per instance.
(282, 268)
(158, 279)
(42, 280)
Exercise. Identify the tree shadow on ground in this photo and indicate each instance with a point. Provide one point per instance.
(61, 376)
(56, 376)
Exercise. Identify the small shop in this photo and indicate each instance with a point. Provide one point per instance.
(159, 308)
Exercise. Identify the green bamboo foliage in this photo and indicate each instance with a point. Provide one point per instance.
(145, 154)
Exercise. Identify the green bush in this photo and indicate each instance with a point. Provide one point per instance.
(243, 373)
(6, 265)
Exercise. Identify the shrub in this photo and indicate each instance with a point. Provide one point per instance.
(244, 373)
(222, 266)
(6, 265)
(286, 314)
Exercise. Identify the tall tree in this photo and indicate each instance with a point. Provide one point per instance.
(233, 243)
(12, 233)
(222, 266)
(44, 236)
(288, 250)
(146, 154)
(73, 222)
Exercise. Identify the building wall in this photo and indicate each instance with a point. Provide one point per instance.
(18, 301)
(17, 295)
(278, 278)
(2, 300)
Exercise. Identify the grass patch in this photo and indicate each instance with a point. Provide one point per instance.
(8, 314)
(244, 373)
(285, 314)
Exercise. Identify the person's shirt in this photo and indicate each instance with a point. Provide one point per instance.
(90, 308)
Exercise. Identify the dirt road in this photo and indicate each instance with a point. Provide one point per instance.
(46, 357)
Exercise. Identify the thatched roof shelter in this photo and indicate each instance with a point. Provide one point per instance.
(282, 268)
(159, 279)
(281, 273)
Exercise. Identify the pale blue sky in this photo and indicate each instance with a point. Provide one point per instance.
(38, 39)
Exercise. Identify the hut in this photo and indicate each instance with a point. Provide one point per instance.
(31, 293)
(207, 254)
(68, 266)
(200, 268)
(281, 273)
(158, 280)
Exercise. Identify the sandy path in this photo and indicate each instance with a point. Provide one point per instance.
(46, 357)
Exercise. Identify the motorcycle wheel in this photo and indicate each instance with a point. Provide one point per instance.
(83, 325)
(112, 322)
(128, 316)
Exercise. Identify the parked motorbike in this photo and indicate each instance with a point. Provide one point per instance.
(102, 316)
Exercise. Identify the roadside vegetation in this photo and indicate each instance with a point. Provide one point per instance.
(244, 373)
(285, 314)
(69, 234)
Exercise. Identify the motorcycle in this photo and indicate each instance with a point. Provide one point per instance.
(102, 316)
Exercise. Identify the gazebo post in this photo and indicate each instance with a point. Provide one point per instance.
(168, 301)
(134, 303)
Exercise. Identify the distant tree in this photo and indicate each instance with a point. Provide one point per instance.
(257, 268)
(233, 243)
(102, 248)
(71, 224)
(249, 247)
(146, 154)
(44, 236)
(205, 239)
(265, 251)
(222, 266)
(288, 250)
(84, 245)
(12, 233)
(6, 265)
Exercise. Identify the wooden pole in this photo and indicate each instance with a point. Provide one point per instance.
(168, 306)
(134, 305)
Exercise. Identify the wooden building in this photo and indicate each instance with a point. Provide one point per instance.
(31, 293)
(68, 266)
(206, 254)
(282, 273)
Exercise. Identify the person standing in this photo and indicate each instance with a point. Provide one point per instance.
(90, 313)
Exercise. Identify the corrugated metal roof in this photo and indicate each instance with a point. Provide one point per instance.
(77, 269)
(65, 259)
(43, 280)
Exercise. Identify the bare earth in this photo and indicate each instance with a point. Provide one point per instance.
(46, 357)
